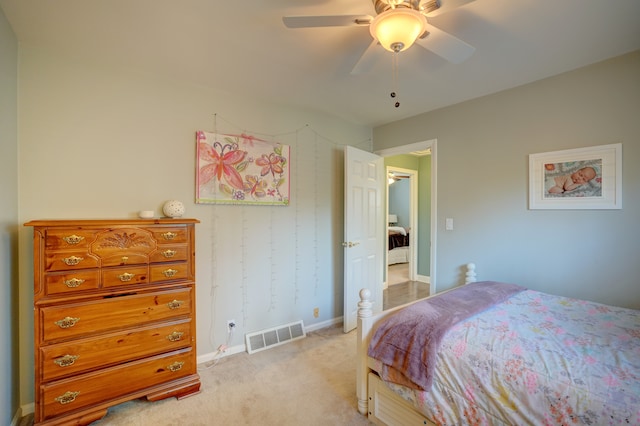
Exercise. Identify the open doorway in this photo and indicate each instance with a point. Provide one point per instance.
(410, 270)
(403, 283)
(402, 225)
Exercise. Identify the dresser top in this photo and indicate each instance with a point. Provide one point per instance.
(110, 222)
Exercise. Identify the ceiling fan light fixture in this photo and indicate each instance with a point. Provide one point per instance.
(397, 29)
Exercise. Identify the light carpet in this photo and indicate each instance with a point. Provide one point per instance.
(310, 381)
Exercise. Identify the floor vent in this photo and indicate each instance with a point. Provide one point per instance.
(271, 337)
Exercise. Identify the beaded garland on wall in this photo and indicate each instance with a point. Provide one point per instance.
(241, 169)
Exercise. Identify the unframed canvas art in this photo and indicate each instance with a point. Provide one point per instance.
(241, 169)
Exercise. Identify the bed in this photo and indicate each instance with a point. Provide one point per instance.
(531, 358)
(398, 245)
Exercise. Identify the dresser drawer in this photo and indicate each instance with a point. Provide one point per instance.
(72, 282)
(73, 320)
(170, 271)
(64, 359)
(68, 238)
(123, 246)
(69, 260)
(170, 234)
(129, 275)
(171, 253)
(101, 386)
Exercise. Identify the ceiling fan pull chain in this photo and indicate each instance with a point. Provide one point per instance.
(394, 78)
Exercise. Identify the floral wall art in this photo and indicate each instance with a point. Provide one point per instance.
(241, 169)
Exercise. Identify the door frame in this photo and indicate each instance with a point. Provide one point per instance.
(407, 149)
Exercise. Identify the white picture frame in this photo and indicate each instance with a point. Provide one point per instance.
(597, 172)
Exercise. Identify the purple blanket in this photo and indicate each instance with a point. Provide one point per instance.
(407, 342)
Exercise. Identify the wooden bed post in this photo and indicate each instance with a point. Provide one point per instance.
(364, 335)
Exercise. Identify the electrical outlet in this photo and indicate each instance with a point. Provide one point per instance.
(316, 312)
(231, 324)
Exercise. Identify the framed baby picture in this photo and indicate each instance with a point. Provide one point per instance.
(582, 178)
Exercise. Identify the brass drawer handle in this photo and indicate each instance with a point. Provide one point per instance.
(126, 277)
(175, 336)
(176, 366)
(67, 397)
(72, 260)
(169, 272)
(169, 253)
(66, 360)
(73, 239)
(73, 282)
(169, 235)
(175, 304)
(67, 322)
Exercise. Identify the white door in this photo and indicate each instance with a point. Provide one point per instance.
(364, 224)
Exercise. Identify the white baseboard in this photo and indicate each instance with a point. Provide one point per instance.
(232, 350)
(423, 278)
(323, 324)
(25, 410)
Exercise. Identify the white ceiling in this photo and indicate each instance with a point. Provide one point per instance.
(244, 48)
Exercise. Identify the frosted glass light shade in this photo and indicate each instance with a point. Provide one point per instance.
(397, 29)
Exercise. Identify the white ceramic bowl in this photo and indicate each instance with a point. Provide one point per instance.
(146, 214)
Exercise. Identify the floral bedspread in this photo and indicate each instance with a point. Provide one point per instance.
(537, 359)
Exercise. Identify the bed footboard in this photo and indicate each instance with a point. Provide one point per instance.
(364, 336)
(375, 399)
(367, 321)
(366, 395)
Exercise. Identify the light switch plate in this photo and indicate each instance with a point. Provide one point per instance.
(448, 224)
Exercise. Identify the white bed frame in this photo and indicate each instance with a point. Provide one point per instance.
(375, 400)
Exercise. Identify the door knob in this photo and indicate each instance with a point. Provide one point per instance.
(350, 244)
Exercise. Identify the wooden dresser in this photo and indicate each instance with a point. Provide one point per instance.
(114, 315)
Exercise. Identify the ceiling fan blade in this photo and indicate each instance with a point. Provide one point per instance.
(446, 6)
(366, 61)
(326, 21)
(445, 45)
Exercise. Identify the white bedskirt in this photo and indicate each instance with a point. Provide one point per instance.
(398, 255)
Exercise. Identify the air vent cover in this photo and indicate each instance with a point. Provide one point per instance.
(271, 337)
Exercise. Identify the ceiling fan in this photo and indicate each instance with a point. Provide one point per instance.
(397, 25)
(396, 176)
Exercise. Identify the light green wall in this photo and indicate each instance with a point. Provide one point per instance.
(482, 179)
(9, 305)
(424, 216)
(101, 142)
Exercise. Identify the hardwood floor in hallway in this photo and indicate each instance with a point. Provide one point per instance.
(401, 290)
